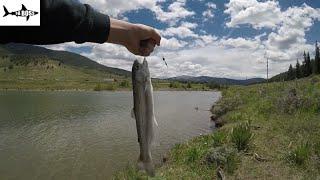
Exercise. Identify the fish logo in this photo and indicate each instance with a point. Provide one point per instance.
(24, 12)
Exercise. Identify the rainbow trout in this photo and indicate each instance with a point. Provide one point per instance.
(143, 112)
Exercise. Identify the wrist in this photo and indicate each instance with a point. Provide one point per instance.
(119, 32)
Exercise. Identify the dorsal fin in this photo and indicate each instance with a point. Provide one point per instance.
(24, 8)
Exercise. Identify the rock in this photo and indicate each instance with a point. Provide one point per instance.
(220, 174)
(259, 158)
(219, 123)
(165, 158)
(218, 110)
(214, 117)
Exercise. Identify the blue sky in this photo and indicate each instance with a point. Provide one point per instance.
(221, 38)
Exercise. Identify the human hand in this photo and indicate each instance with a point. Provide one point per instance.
(137, 38)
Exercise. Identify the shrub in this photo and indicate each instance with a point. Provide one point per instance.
(124, 84)
(189, 85)
(213, 85)
(241, 136)
(175, 85)
(300, 154)
(106, 87)
(110, 87)
(10, 66)
(223, 157)
(294, 102)
(98, 87)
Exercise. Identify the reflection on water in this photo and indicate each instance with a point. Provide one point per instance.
(88, 135)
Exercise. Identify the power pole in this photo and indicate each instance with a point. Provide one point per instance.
(265, 55)
(267, 70)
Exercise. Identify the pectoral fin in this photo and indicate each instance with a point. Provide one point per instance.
(155, 121)
(132, 113)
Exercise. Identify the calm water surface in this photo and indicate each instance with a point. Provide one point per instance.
(88, 135)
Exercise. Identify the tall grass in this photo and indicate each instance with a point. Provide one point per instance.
(218, 138)
(300, 155)
(241, 136)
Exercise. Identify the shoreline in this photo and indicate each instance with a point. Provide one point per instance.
(257, 138)
(84, 90)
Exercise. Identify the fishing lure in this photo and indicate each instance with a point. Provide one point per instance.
(164, 60)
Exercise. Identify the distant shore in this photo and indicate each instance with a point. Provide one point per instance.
(88, 90)
(125, 85)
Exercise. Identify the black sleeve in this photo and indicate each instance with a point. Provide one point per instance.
(61, 21)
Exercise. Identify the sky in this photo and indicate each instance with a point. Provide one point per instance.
(218, 38)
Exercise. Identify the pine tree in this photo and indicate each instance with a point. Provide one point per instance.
(298, 70)
(290, 74)
(316, 67)
(304, 65)
(308, 65)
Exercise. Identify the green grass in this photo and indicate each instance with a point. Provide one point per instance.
(285, 120)
(241, 136)
(300, 155)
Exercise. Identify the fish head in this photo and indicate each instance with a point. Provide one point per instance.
(140, 71)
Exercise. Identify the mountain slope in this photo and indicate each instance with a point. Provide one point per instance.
(32, 67)
(65, 57)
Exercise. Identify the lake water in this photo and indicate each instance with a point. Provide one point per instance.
(89, 135)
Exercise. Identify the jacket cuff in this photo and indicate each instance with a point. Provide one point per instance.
(100, 27)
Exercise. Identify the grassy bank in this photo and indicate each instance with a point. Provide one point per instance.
(270, 132)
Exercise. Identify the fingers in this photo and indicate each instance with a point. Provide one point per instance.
(151, 33)
(148, 48)
(155, 36)
(144, 50)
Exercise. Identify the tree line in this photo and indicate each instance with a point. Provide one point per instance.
(300, 70)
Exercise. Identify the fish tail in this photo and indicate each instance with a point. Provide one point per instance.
(150, 169)
(140, 165)
(5, 11)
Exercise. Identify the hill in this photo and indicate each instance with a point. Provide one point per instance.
(65, 57)
(32, 67)
(223, 81)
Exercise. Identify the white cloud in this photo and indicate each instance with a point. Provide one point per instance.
(209, 13)
(257, 14)
(172, 44)
(183, 31)
(241, 43)
(176, 11)
(116, 7)
(288, 41)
